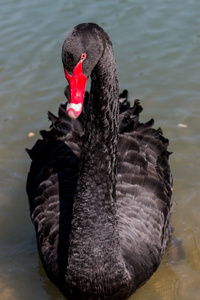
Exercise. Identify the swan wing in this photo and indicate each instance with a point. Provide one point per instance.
(144, 187)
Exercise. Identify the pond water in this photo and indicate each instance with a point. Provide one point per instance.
(157, 48)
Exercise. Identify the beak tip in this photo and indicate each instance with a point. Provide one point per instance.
(74, 110)
(72, 115)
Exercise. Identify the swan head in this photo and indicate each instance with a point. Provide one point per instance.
(81, 52)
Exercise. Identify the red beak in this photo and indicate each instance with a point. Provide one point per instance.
(77, 82)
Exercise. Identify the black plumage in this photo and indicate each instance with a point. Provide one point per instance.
(100, 186)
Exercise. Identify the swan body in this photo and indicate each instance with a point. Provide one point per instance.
(99, 185)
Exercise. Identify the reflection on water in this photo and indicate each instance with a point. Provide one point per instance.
(157, 52)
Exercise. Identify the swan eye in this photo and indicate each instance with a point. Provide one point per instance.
(83, 56)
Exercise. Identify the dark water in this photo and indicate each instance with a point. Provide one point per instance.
(157, 48)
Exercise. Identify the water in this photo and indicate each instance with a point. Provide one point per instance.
(156, 46)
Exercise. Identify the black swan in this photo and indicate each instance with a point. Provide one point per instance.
(99, 185)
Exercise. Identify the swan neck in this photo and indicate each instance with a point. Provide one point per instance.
(96, 187)
(94, 224)
(102, 127)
